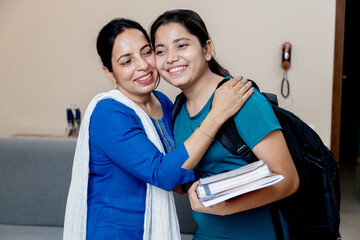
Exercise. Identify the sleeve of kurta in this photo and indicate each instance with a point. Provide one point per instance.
(118, 132)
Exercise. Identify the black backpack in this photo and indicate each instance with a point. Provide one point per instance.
(313, 212)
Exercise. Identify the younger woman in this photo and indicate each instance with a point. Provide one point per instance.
(184, 59)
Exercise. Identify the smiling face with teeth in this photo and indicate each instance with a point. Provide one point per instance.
(133, 64)
(180, 58)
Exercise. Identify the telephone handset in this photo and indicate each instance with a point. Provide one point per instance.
(285, 63)
(286, 55)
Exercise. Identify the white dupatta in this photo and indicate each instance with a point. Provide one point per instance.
(160, 222)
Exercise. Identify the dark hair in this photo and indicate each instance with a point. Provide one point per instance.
(107, 35)
(195, 25)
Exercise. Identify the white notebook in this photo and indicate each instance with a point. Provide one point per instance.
(223, 186)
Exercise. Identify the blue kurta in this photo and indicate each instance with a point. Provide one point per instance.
(122, 161)
(254, 121)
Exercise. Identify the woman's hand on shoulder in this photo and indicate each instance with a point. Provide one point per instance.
(230, 97)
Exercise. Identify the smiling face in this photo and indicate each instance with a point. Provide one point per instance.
(180, 59)
(133, 63)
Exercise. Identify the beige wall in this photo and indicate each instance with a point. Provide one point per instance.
(48, 60)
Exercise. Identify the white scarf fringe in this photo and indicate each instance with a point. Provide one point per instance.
(160, 222)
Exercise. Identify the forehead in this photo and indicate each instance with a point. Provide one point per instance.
(172, 31)
(130, 40)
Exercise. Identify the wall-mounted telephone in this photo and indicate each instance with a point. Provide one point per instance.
(285, 63)
(286, 55)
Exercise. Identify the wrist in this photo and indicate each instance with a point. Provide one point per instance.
(204, 133)
(211, 124)
(215, 119)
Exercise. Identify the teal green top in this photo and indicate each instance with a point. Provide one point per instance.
(254, 121)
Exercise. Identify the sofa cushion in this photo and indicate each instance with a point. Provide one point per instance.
(183, 209)
(35, 176)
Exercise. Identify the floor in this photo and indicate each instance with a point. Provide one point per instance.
(350, 201)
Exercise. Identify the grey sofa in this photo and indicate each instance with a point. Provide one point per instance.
(35, 176)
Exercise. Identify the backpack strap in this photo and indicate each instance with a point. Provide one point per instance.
(179, 101)
(230, 139)
(272, 98)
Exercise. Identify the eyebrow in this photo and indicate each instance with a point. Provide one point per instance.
(128, 54)
(175, 41)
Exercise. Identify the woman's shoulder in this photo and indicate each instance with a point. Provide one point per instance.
(111, 110)
(256, 119)
(111, 105)
(255, 105)
(259, 98)
(110, 115)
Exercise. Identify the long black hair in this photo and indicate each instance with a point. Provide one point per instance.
(195, 25)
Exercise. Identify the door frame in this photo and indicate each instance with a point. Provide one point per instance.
(337, 77)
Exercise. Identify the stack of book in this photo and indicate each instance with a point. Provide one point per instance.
(223, 186)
